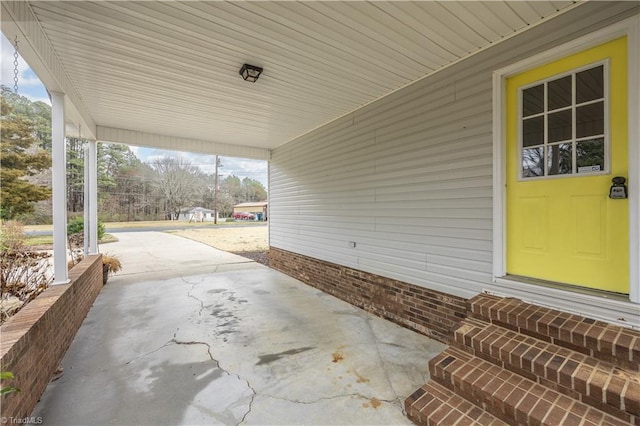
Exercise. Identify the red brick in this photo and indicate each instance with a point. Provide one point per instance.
(505, 351)
(632, 398)
(591, 339)
(622, 346)
(540, 410)
(524, 314)
(432, 313)
(526, 361)
(578, 333)
(421, 402)
(540, 362)
(555, 326)
(635, 351)
(47, 324)
(555, 416)
(553, 366)
(608, 337)
(496, 348)
(597, 382)
(580, 378)
(566, 329)
(572, 420)
(513, 400)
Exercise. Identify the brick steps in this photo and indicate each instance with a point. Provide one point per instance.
(603, 385)
(606, 342)
(509, 396)
(433, 404)
(525, 364)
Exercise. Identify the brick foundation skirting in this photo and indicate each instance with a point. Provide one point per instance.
(35, 340)
(429, 312)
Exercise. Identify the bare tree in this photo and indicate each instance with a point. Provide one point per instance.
(180, 184)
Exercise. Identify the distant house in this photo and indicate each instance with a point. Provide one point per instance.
(197, 214)
(258, 208)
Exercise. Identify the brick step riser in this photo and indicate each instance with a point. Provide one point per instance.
(464, 390)
(507, 396)
(434, 405)
(606, 342)
(567, 372)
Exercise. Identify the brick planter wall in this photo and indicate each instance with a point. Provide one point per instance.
(36, 338)
(429, 312)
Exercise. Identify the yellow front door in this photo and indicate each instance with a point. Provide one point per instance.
(566, 140)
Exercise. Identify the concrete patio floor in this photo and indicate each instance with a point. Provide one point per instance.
(189, 335)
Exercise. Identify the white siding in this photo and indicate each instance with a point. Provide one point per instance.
(154, 140)
(171, 68)
(409, 178)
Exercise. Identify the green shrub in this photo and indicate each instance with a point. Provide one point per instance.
(76, 226)
(7, 375)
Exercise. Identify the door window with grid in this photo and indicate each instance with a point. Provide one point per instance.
(563, 125)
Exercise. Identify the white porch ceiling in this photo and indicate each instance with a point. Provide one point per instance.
(169, 70)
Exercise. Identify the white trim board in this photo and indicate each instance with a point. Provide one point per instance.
(602, 308)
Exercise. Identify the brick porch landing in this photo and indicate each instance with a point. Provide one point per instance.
(513, 362)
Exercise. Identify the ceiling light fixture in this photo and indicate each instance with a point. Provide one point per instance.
(250, 72)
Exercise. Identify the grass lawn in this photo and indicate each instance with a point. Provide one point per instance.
(39, 240)
(46, 240)
(149, 224)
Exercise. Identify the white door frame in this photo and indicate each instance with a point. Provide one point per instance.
(563, 299)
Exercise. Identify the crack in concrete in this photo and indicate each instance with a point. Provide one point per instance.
(148, 353)
(196, 299)
(178, 342)
(192, 296)
(329, 398)
(382, 364)
(253, 397)
(193, 342)
(164, 345)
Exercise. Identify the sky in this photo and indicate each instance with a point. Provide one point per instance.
(29, 85)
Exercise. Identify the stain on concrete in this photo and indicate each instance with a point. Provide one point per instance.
(221, 313)
(373, 402)
(269, 358)
(359, 377)
(261, 291)
(350, 313)
(235, 299)
(395, 345)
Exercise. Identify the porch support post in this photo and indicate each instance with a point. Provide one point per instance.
(59, 186)
(86, 203)
(92, 187)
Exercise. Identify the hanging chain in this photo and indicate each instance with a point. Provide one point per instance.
(15, 66)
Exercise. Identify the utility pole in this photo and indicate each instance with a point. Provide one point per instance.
(215, 193)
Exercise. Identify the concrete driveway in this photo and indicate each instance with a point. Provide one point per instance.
(188, 334)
